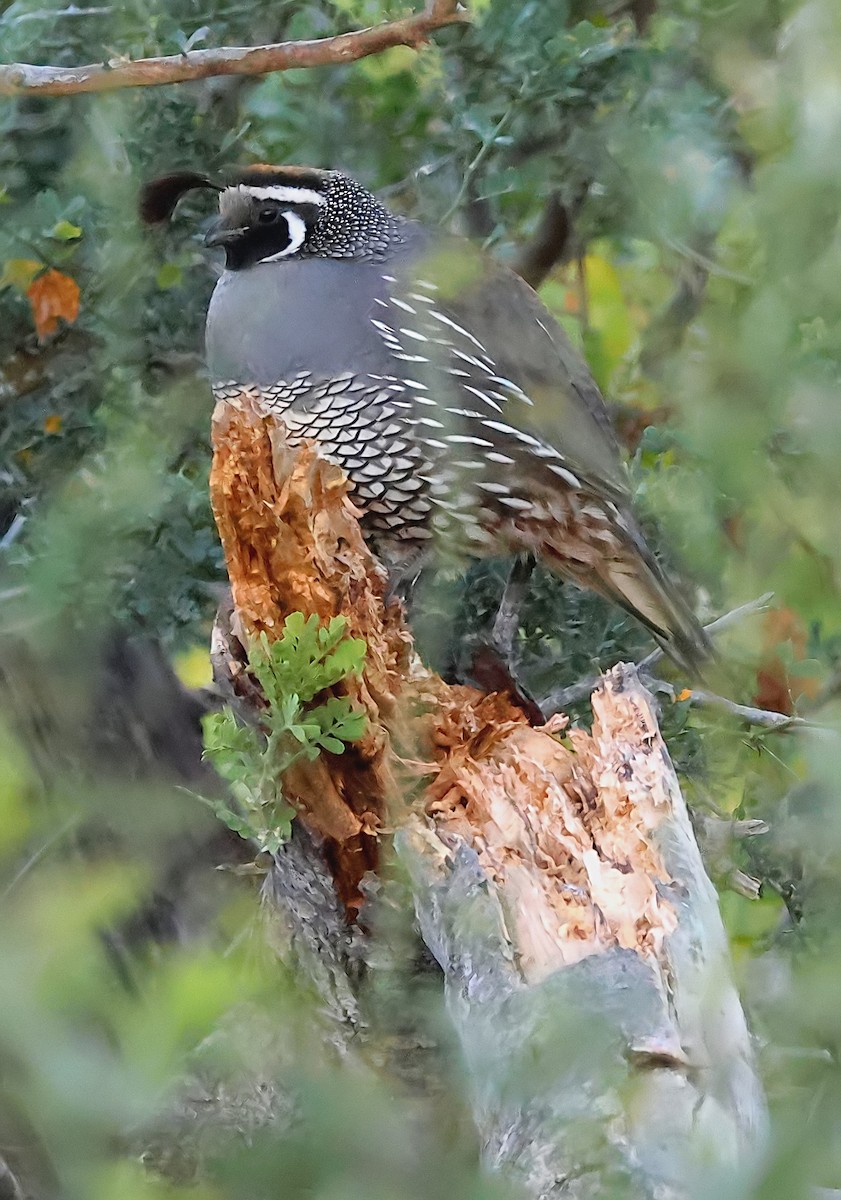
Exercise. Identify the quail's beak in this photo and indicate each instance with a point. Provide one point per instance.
(222, 234)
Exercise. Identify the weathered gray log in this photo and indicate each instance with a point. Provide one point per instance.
(592, 1060)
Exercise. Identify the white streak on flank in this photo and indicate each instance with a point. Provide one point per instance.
(514, 388)
(381, 325)
(411, 357)
(286, 194)
(402, 304)
(498, 489)
(499, 427)
(466, 440)
(414, 383)
(517, 503)
(495, 456)
(424, 283)
(531, 441)
(430, 421)
(484, 396)
(468, 358)
(567, 476)
(421, 299)
(297, 229)
(390, 278)
(439, 316)
(413, 333)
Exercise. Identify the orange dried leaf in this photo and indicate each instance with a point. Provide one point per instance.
(53, 296)
(53, 423)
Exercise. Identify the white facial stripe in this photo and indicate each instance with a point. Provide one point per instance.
(288, 195)
(297, 232)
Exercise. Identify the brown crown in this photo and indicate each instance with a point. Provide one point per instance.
(266, 175)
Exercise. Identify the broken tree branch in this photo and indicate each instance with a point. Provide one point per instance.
(556, 881)
(23, 78)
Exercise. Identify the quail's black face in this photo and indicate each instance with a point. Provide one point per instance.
(268, 215)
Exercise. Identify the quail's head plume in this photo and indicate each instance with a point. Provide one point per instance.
(464, 418)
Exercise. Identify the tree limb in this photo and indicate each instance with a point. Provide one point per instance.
(22, 78)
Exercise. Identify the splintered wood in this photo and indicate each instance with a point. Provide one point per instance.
(567, 832)
(564, 822)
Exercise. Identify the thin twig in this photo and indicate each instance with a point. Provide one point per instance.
(715, 628)
(763, 718)
(561, 698)
(708, 264)
(666, 331)
(23, 78)
(482, 153)
(37, 855)
(51, 14)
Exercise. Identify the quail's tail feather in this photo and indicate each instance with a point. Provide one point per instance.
(637, 583)
(631, 577)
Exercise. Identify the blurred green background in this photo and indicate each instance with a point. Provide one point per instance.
(694, 150)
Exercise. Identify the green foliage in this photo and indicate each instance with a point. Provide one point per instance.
(700, 165)
(305, 660)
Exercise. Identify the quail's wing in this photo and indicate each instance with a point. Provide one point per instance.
(462, 316)
(513, 410)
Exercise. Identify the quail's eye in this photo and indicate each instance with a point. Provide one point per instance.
(268, 214)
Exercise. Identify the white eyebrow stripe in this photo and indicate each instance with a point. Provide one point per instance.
(288, 195)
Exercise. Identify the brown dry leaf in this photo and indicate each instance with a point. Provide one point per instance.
(53, 296)
(53, 424)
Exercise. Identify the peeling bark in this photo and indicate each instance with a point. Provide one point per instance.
(554, 872)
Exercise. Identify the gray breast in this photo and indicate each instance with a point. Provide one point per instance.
(274, 320)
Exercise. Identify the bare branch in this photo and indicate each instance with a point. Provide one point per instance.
(22, 78)
(667, 330)
(715, 628)
(762, 718)
(561, 698)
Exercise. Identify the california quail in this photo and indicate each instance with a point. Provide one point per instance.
(457, 406)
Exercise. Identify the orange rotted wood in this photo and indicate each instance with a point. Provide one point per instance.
(553, 829)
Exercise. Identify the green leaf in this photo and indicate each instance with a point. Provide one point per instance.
(331, 743)
(169, 275)
(303, 661)
(65, 231)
